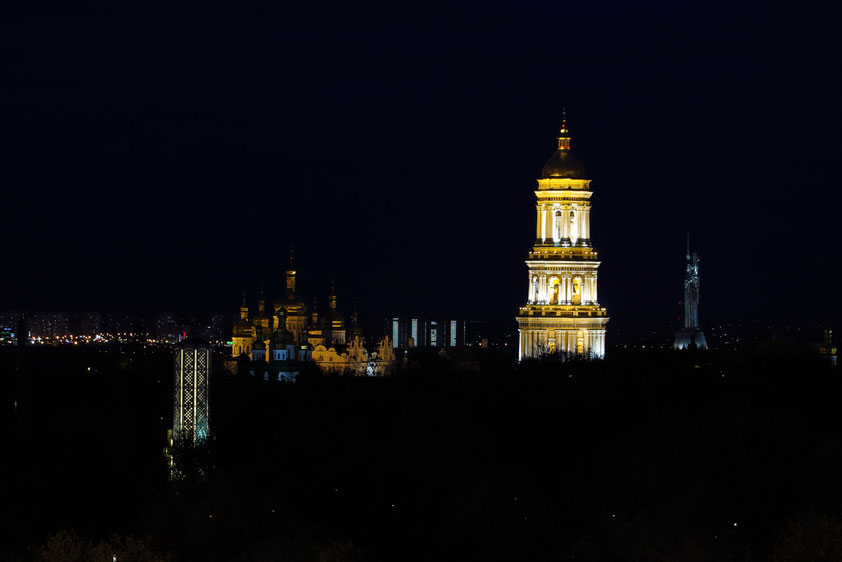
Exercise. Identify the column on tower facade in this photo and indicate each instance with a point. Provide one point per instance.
(565, 223)
(569, 298)
(548, 223)
(561, 288)
(595, 299)
(531, 298)
(585, 289)
(599, 346)
(586, 219)
(549, 232)
(538, 218)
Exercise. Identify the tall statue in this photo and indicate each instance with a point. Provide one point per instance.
(691, 291)
(691, 335)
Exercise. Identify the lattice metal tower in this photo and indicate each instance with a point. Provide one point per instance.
(191, 391)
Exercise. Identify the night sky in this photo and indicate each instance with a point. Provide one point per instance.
(158, 157)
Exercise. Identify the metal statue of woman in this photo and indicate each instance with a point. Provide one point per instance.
(691, 335)
(691, 290)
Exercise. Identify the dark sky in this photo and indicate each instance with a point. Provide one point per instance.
(161, 157)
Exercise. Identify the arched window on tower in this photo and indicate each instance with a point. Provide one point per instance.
(558, 228)
(577, 291)
(554, 289)
(572, 231)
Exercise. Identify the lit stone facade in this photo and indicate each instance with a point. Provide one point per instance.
(279, 338)
(562, 312)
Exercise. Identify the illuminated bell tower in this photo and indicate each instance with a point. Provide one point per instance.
(244, 333)
(296, 310)
(562, 313)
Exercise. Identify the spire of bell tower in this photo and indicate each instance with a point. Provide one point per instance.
(244, 309)
(332, 295)
(564, 134)
(291, 272)
(261, 302)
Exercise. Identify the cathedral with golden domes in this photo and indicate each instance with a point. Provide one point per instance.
(562, 313)
(278, 339)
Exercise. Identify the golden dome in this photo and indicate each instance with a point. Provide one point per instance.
(243, 328)
(564, 164)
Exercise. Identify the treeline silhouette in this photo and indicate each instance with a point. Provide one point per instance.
(647, 455)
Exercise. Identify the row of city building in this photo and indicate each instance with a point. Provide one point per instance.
(169, 328)
(69, 327)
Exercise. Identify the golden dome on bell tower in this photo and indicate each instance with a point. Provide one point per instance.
(563, 164)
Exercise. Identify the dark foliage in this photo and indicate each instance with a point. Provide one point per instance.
(644, 456)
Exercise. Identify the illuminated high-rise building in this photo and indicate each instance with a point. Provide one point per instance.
(562, 313)
(407, 331)
(191, 385)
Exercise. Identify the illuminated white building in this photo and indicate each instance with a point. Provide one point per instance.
(562, 312)
(191, 391)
